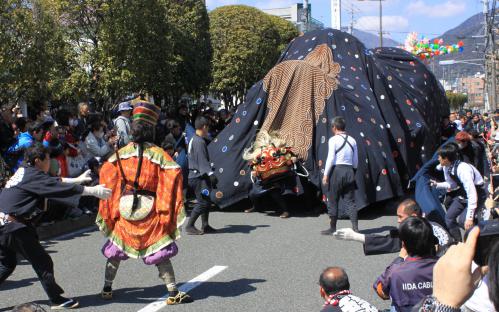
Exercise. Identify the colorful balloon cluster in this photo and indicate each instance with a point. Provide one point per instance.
(425, 49)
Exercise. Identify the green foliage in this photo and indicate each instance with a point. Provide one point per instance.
(456, 100)
(33, 62)
(244, 41)
(73, 50)
(287, 31)
(189, 24)
(136, 47)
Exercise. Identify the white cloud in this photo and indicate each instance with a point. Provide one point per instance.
(390, 22)
(446, 9)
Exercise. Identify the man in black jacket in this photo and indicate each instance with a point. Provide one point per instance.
(21, 203)
(201, 178)
(375, 244)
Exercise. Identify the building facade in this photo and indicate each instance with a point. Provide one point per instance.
(474, 87)
(298, 15)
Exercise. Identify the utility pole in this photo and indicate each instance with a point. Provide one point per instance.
(380, 24)
(306, 13)
(490, 54)
(493, 56)
(351, 20)
(380, 20)
(352, 12)
(336, 14)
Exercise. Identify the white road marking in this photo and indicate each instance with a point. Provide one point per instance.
(190, 285)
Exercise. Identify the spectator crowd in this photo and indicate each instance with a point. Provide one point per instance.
(83, 139)
(434, 269)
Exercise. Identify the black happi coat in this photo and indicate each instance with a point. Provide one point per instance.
(25, 192)
(392, 104)
(197, 154)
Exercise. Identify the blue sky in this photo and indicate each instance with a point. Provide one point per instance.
(427, 17)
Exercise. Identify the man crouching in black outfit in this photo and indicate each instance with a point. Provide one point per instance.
(21, 203)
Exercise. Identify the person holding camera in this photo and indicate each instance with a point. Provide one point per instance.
(202, 179)
(465, 190)
(456, 279)
(97, 143)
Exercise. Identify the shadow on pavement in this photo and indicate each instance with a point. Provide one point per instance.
(240, 228)
(8, 285)
(124, 295)
(225, 289)
(150, 294)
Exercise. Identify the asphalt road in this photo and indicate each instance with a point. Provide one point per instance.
(272, 265)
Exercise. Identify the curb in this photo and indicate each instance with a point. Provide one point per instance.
(65, 227)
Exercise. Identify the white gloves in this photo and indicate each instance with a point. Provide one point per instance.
(98, 191)
(349, 235)
(83, 178)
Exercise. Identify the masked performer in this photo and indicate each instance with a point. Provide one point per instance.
(341, 164)
(21, 206)
(272, 163)
(142, 218)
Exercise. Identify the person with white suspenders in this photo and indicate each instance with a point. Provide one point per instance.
(339, 175)
(465, 190)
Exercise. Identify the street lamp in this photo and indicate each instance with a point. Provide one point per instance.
(380, 21)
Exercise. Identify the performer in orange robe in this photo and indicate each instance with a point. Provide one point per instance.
(144, 214)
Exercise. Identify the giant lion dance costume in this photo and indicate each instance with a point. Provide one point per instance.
(392, 104)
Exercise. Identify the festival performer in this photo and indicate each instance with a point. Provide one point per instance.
(21, 205)
(339, 174)
(465, 190)
(142, 218)
(201, 178)
(271, 163)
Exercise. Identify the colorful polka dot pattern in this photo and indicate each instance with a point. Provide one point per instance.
(392, 105)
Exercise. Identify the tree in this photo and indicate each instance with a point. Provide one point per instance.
(456, 100)
(161, 47)
(82, 22)
(33, 62)
(189, 23)
(287, 31)
(137, 47)
(244, 42)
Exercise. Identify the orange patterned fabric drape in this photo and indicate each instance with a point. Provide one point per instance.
(298, 91)
(160, 175)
